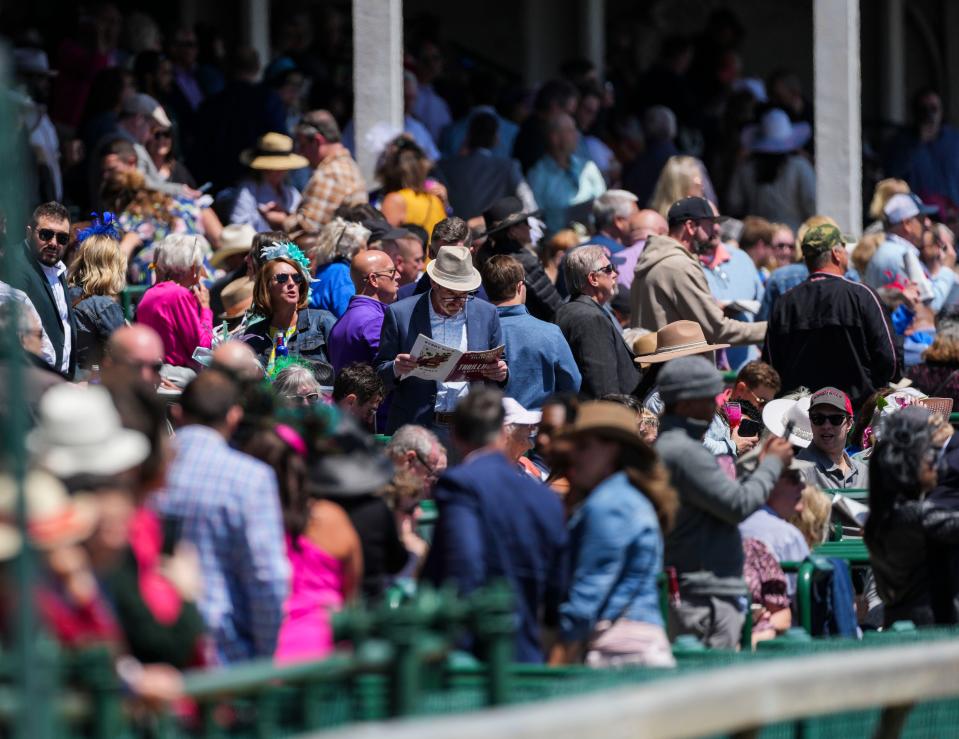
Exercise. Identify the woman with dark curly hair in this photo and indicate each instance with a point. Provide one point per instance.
(901, 524)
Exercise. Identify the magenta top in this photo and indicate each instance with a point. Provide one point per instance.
(315, 592)
(173, 312)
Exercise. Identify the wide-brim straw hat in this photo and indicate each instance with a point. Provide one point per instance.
(273, 151)
(54, 518)
(778, 413)
(237, 238)
(609, 420)
(236, 298)
(677, 339)
(80, 433)
(453, 269)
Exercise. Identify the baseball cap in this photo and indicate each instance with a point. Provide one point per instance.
(821, 239)
(833, 397)
(141, 104)
(692, 209)
(926, 210)
(901, 207)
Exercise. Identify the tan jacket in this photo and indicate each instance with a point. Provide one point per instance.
(670, 286)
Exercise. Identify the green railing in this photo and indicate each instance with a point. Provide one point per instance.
(129, 299)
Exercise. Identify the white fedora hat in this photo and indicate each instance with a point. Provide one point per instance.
(80, 433)
(453, 269)
(779, 413)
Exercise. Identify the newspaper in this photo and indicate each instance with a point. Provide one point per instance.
(443, 363)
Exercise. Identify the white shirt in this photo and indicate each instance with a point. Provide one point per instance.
(59, 295)
(450, 331)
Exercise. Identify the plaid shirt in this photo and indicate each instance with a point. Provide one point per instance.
(336, 181)
(229, 506)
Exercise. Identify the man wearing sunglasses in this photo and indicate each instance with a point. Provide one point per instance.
(42, 276)
(830, 416)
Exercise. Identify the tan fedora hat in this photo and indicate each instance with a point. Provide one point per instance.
(273, 151)
(237, 297)
(237, 238)
(678, 339)
(453, 269)
(611, 420)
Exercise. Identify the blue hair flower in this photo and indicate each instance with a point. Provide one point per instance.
(102, 226)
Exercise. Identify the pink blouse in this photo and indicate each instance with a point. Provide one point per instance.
(173, 312)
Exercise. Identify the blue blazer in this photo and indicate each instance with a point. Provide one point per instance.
(497, 523)
(413, 398)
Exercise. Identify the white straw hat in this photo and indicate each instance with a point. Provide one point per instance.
(778, 413)
(80, 433)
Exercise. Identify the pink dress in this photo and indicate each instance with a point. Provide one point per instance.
(316, 591)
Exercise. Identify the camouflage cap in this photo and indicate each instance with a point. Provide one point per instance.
(821, 239)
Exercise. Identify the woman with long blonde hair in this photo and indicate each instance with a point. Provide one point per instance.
(96, 279)
(682, 177)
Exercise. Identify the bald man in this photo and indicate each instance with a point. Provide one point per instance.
(136, 349)
(642, 225)
(238, 359)
(356, 336)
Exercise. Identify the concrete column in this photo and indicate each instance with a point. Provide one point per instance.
(255, 28)
(836, 61)
(377, 72)
(592, 30)
(893, 61)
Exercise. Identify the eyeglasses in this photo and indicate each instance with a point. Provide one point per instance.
(281, 279)
(159, 135)
(307, 399)
(430, 469)
(608, 269)
(835, 419)
(47, 234)
(388, 273)
(760, 402)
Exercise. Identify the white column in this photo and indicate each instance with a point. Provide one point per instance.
(893, 61)
(255, 15)
(836, 59)
(592, 30)
(377, 72)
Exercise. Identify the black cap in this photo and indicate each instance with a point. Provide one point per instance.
(691, 209)
(383, 231)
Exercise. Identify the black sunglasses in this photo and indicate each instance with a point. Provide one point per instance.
(282, 278)
(836, 419)
(608, 269)
(47, 234)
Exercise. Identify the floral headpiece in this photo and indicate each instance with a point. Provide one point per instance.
(887, 406)
(285, 249)
(101, 226)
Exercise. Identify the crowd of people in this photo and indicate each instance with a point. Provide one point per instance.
(245, 444)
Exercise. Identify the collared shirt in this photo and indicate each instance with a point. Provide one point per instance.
(252, 194)
(784, 539)
(336, 181)
(449, 331)
(829, 475)
(356, 336)
(53, 275)
(556, 189)
(229, 507)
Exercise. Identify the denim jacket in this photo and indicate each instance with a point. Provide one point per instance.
(616, 555)
(312, 329)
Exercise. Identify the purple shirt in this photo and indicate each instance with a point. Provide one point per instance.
(627, 268)
(356, 336)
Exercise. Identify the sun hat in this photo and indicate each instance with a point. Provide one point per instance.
(504, 213)
(777, 414)
(888, 405)
(54, 518)
(237, 238)
(80, 433)
(236, 298)
(776, 134)
(273, 151)
(689, 378)
(832, 397)
(352, 464)
(676, 339)
(32, 61)
(608, 419)
(453, 269)
(517, 415)
(644, 343)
